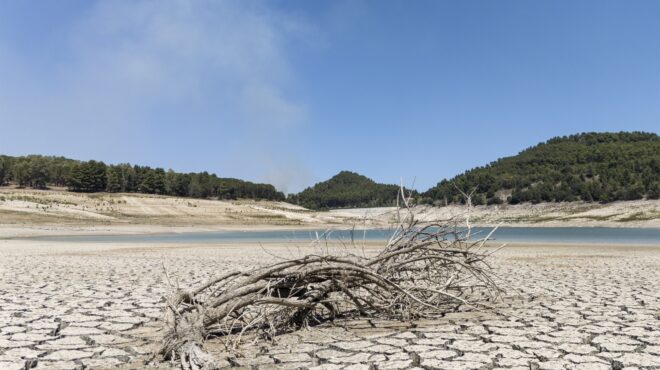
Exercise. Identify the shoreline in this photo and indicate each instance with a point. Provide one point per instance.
(12, 231)
(26, 213)
(258, 249)
(369, 243)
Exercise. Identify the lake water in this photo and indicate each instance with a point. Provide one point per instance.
(578, 235)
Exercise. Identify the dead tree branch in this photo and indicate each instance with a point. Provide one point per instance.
(424, 270)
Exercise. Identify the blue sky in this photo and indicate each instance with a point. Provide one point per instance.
(291, 92)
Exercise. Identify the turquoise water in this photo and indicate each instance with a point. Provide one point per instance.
(578, 235)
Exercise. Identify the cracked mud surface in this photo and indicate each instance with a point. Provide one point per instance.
(97, 306)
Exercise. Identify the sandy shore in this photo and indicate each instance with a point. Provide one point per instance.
(27, 212)
(97, 305)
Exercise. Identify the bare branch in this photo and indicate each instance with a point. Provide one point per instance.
(424, 270)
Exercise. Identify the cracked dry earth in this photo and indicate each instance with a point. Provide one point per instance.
(97, 306)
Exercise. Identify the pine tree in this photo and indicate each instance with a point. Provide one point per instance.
(113, 180)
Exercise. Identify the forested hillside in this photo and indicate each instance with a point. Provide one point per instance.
(592, 167)
(346, 190)
(39, 172)
(600, 167)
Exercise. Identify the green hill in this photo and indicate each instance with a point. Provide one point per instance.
(601, 167)
(346, 190)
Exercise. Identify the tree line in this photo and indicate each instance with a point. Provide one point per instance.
(592, 167)
(40, 172)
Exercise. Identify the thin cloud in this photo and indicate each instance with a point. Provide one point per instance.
(134, 67)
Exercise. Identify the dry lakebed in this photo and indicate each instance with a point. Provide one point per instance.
(98, 306)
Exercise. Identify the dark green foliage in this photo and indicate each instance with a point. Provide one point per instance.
(203, 185)
(600, 167)
(59, 170)
(20, 173)
(235, 189)
(594, 167)
(151, 181)
(35, 170)
(113, 177)
(88, 177)
(177, 183)
(39, 172)
(347, 190)
(4, 169)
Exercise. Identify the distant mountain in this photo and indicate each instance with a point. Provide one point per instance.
(601, 167)
(346, 190)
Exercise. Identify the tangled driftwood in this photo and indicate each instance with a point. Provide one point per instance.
(424, 270)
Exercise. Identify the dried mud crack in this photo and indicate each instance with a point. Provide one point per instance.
(99, 306)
